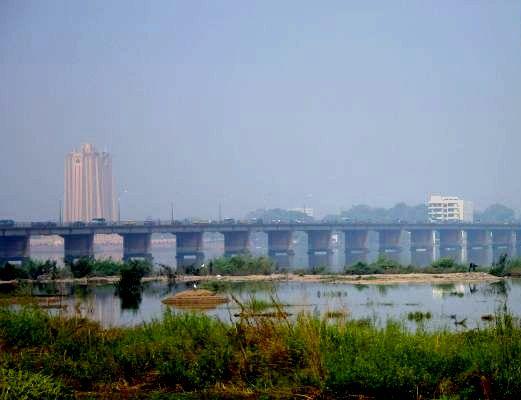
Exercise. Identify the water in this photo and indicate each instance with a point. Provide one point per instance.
(447, 303)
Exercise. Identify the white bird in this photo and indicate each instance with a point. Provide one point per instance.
(195, 285)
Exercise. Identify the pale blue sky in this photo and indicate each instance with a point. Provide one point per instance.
(269, 103)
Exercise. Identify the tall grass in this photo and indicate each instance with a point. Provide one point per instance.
(258, 356)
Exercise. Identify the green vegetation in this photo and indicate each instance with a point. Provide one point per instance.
(194, 356)
(241, 265)
(418, 316)
(29, 269)
(401, 212)
(88, 266)
(278, 214)
(496, 213)
(80, 268)
(385, 265)
(506, 266)
(17, 384)
(129, 288)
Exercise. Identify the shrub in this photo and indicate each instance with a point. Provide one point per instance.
(37, 268)
(9, 272)
(81, 267)
(243, 265)
(23, 385)
(444, 263)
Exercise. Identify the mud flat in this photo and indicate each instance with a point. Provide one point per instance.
(377, 279)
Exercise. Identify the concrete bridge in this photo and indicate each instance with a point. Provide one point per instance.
(470, 242)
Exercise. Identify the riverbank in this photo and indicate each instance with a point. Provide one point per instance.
(375, 279)
(189, 356)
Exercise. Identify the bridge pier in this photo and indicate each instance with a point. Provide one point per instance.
(14, 248)
(319, 249)
(516, 245)
(451, 244)
(189, 249)
(236, 243)
(502, 243)
(356, 248)
(478, 243)
(279, 247)
(77, 246)
(136, 246)
(422, 247)
(389, 243)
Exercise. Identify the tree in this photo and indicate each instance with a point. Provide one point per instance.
(496, 213)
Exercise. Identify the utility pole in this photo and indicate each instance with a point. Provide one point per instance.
(172, 213)
(60, 215)
(220, 213)
(119, 210)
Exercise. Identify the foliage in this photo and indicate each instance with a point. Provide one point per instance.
(106, 267)
(270, 357)
(418, 316)
(506, 266)
(444, 263)
(129, 287)
(384, 265)
(9, 272)
(37, 268)
(81, 267)
(278, 214)
(401, 212)
(24, 385)
(242, 265)
(496, 213)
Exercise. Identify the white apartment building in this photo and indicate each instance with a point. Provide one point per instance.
(89, 186)
(450, 209)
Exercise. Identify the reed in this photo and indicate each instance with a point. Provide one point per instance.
(192, 355)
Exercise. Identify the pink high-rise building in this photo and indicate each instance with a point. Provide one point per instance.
(89, 186)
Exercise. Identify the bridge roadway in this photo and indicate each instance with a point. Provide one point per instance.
(474, 241)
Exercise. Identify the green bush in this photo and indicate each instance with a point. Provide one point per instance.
(278, 358)
(82, 267)
(23, 385)
(9, 272)
(106, 267)
(362, 268)
(242, 265)
(37, 268)
(28, 327)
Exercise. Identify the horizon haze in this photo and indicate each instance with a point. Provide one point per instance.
(261, 104)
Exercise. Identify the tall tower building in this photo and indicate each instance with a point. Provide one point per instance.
(89, 186)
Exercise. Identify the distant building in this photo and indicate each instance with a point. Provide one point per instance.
(305, 210)
(89, 186)
(450, 209)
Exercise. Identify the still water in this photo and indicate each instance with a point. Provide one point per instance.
(447, 303)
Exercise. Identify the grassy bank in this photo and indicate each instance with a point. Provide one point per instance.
(195, 356)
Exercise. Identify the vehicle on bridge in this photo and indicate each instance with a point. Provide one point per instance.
(149, 222)
(228, 221)
(98, 222)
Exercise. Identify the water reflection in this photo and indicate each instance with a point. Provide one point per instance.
(451, 306)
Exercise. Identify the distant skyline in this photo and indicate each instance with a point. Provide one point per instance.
(261, 104)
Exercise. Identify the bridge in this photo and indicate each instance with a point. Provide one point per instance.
(453, 240)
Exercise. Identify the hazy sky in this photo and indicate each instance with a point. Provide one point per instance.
(268, 103)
